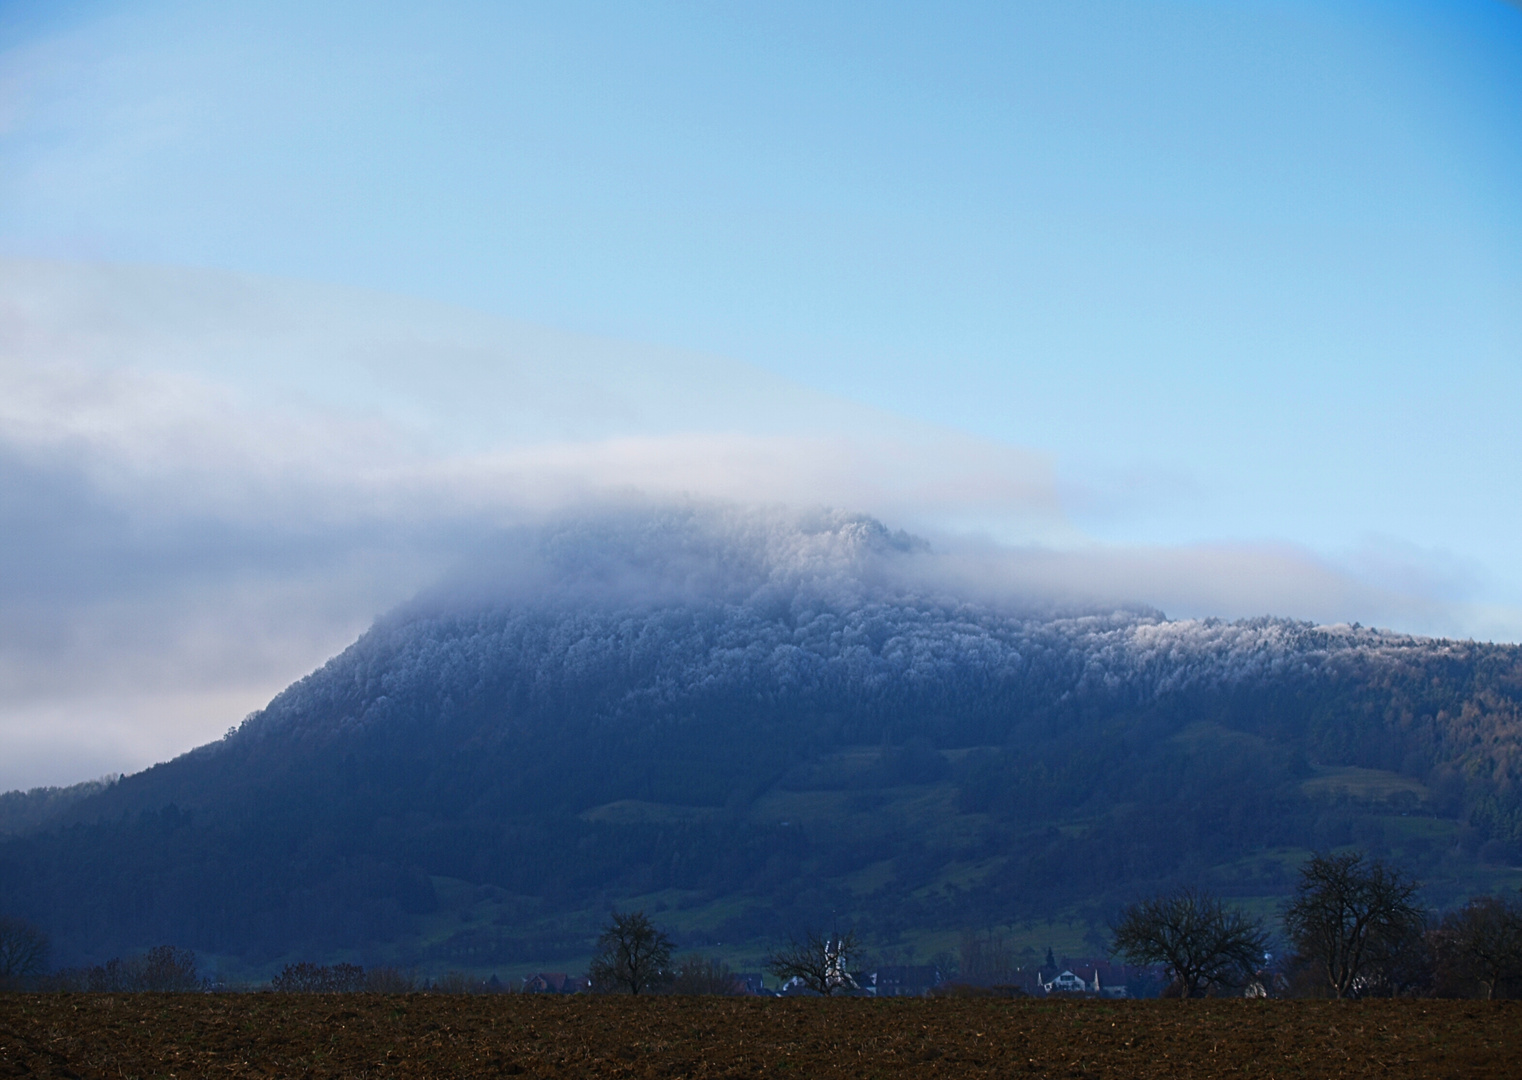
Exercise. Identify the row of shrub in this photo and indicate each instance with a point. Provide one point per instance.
(1354, 928)
(308, 978)
(692, 974)
(162, 970)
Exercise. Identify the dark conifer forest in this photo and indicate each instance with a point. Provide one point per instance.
(753, 723)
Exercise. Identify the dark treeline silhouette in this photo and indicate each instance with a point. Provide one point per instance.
(309, 978)
(23, 811)
(164, 969)
(1355, 930)
(698, 974)
(306, 977)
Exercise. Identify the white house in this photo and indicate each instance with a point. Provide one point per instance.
(1068, 983)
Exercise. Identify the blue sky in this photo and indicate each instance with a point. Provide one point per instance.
(1243, 277)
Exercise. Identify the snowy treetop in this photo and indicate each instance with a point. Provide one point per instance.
(656, 610)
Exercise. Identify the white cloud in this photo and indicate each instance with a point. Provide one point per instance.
(209, 484)
(1200, 581)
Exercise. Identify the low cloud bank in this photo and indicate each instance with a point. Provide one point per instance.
(209, 484)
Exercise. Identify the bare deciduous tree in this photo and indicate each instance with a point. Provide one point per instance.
(818, 961)
(632, 955)
(1204, 944)
(23, 950)
(1483, 941)
(1350, 919)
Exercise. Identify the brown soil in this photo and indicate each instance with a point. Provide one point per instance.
(269, 1035)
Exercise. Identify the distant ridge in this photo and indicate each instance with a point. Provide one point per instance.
(750, 721)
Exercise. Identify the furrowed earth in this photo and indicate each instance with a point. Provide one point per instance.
(260, 1035)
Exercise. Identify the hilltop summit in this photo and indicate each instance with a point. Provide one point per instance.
(760, 718)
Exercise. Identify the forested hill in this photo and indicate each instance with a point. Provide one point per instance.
(756, 721)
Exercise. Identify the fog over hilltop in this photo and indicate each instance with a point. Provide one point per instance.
(214, 482)
(702, 599)
(763, 716)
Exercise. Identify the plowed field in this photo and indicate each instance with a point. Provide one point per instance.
(267, 1035)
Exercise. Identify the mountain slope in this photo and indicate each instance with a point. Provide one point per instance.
(759, 721)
